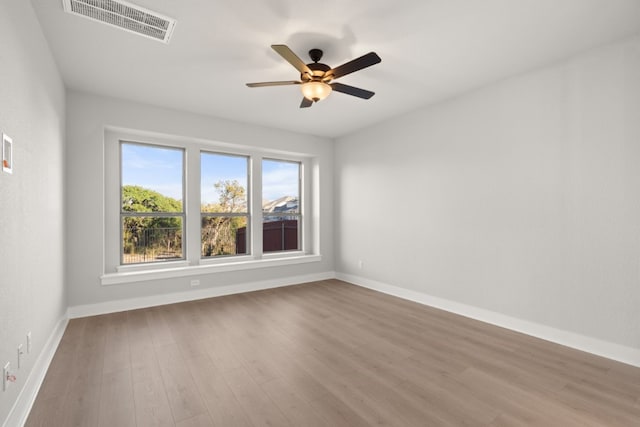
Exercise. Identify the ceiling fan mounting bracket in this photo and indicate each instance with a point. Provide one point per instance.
(315, 54)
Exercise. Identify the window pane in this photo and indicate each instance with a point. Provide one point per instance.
(151, 178)
(151, 239)
(224, 235)
(223, 183)
(280, 234)
(280, 205)
(280, 186)
(223, 190)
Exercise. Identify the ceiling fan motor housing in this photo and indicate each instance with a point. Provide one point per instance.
(319, 70)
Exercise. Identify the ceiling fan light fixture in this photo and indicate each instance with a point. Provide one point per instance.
(315, 91)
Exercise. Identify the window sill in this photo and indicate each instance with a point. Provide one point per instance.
(197, 270)
(131, 268)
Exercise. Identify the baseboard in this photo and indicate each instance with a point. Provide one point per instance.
(191, 295)
(21, 408)
(620, 353)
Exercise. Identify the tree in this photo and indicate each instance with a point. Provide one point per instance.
(219, 229)
(140, 199)
(151, 233)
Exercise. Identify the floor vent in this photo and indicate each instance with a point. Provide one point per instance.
(124, 15)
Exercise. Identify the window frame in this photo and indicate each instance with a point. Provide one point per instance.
(247, 214)
(181, 214)
(193, 264)
(297, 214)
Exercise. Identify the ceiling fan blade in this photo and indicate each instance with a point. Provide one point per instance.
(283, 83)
(292, 58)
(351, 90)
(364, 61)
(306, 103)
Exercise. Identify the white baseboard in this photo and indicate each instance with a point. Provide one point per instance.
(620, 353)
(191, 295)
(21, 408)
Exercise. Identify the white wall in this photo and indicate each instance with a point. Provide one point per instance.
(87, 116)
(522, 198)
(32, 294)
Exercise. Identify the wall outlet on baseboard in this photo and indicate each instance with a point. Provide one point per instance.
(360, 264)
(195, 282)
(20, 353)
(28, 342)
(7, 376)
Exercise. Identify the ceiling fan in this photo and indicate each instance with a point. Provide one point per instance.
(316, 78)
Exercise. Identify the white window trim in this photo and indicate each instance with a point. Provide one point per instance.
(193, 264)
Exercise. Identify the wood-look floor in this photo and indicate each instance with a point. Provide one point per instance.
(322, 354)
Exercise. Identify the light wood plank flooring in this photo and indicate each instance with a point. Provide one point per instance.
(322, 354)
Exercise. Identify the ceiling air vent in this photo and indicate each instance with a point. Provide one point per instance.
(124, 15)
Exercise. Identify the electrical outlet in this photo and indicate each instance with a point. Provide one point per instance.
(7, 376)
(28, 342)
(20, 353)
(195, 282)
(360, 264)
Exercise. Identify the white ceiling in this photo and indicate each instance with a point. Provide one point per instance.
(431, 50)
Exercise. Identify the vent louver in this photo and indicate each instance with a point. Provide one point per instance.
(124, 15)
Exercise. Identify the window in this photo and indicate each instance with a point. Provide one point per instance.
(176, 208)
(224, 209)
(280, 205)
(151, 208)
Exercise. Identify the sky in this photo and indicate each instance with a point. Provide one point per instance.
(160, 169)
